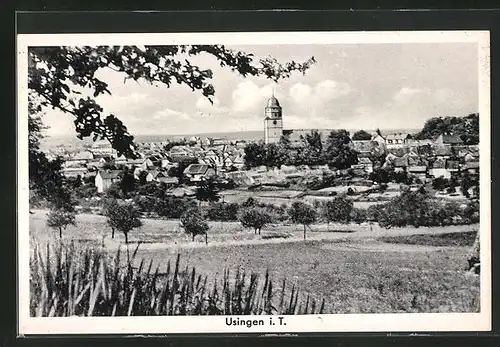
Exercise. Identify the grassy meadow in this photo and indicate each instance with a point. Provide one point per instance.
(348, 268)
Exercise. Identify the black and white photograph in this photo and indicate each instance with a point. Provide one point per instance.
(254, 182)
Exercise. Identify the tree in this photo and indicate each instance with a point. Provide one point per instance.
(361, 135)
(314, 147)
(223, 212)
(128, 184)
(254, 154)
(109, 208)
(440, 183)
(381, 176)
(417, 208)
(255, 218)
(302, 213)
(465, 127)
(45, 178)
(338, 209)
(274, 155)
(173, 207)
(60, 219)
(467, 182)
(208, 191)
(194, 224)
(125, 217)
(178, 171)
(338, 153)
(114, 191)
(142, 178)
(56, 74)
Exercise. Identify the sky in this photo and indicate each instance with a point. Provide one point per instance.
(352, 86)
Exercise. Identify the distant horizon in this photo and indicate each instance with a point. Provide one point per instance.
(383, 130)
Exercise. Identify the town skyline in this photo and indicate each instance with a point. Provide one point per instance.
(362, 86)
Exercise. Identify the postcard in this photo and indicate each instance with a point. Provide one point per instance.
(276, 182)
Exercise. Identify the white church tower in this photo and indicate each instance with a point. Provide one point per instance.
(273, 123)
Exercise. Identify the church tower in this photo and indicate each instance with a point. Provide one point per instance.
(273, 123)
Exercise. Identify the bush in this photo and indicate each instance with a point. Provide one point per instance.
(440, 183)
(223, 212)
(337, 210)
(416, 209)
(145, 203)
(359, 215)
(173, 207)
(470, 213)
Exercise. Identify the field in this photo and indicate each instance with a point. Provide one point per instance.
(355, 268)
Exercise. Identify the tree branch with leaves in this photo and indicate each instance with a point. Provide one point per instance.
(59, 74)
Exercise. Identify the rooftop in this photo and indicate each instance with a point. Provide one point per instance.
(273, 102)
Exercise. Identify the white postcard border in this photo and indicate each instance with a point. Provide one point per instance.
(400, 322)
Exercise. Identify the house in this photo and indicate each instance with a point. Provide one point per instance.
(155, 175)
(198, 172)
(121, 160)
(105, 178)
(400, 164)
(452, 165)
(181, 191)
(471, 167)
(424, 142)
(240, 178)
(420, 171)
(152, 174)
(452, 140)
(398, 151)
(443, 152)
(168, 181)
(94, 165)
(74, 171)
(218, 142)
(397, 140)
(470, 157)
(379, 139)
(155, 160)
(142, 163)
(83, 155)
(438, 169)
(362, 146)
(102, 147)
(239, 161)
(366, 164)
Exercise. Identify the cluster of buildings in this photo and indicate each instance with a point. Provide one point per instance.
(156, 161)
(444, 156)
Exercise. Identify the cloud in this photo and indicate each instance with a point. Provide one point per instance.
(409, 108)
(249, 97)
(168, 113)
(322, 92)
(316, 106)
(300, 93)
(406, 93)
(204, 104)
